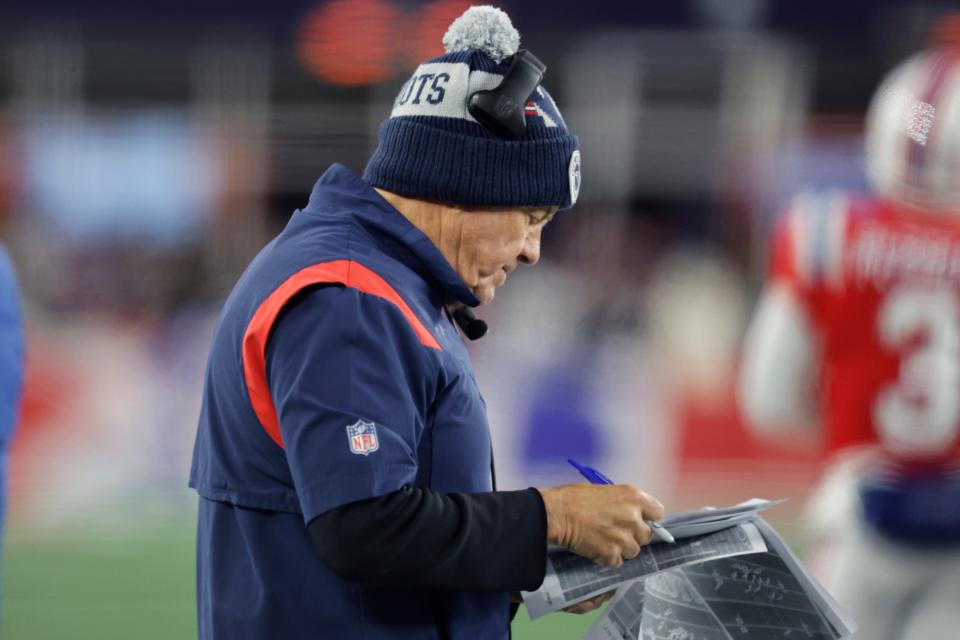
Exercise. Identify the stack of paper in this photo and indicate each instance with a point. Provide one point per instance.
(709, 519)
(729, 576)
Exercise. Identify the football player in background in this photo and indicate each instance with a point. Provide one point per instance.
(858, 331)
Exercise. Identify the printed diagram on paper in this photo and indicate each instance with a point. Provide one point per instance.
(737, 581)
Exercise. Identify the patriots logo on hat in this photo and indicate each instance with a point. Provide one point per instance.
(574, 176)
(362, 436)
(533, 109)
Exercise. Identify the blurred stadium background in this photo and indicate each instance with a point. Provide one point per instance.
(148, 152)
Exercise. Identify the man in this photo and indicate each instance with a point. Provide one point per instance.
(858, 329)
(11, 368)
(343, 456)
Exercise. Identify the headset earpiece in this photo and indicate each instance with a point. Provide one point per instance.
(501, 110)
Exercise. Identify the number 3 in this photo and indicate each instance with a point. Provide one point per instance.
(920, 413)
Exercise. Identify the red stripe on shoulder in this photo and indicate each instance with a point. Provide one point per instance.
(254, 350)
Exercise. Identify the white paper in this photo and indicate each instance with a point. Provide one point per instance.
(836, 616)
(707, 520)
(571, 578)
(749, 597)
(622, 618)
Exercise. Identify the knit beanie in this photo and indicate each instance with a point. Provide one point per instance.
(431, 147)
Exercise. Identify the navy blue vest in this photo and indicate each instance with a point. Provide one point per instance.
(334, 376)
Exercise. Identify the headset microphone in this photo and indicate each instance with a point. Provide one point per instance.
(501, 110)
(472, 326)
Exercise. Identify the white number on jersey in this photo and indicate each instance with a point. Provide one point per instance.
(919, 414)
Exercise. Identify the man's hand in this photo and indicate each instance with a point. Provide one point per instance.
(604, 523)
(581, 607)
(589, 605)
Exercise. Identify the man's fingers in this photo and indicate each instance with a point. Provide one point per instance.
(644, 533)
(606, 523)
(589, 605)
(652, 508)
(580, 607)
(649, 507)
(612, 556)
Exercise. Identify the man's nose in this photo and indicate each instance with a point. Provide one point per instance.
(531, 249)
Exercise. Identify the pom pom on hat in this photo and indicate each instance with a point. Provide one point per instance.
(431, 147)
(486, 28)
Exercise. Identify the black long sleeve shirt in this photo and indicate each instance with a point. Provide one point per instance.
(417, 538)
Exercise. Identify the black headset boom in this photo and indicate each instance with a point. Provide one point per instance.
(472, 326)
(501, 110)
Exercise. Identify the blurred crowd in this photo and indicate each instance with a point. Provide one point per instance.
(146, 155)
(142, 166)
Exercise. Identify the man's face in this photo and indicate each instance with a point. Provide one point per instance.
(493, 242)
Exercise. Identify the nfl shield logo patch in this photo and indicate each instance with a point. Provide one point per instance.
(363, 437)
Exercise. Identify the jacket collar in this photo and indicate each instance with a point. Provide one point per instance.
(340, 191)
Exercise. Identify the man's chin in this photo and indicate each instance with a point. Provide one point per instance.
(485, 294)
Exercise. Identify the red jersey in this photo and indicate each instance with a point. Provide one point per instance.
(881, 288)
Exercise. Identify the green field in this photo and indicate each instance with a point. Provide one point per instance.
(106, 586)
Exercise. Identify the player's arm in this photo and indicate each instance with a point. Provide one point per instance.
(778, 372)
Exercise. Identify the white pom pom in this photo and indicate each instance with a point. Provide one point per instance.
(486, 28)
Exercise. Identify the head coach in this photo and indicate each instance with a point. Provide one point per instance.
(343, 457)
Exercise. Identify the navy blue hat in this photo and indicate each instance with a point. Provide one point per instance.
(432, 148)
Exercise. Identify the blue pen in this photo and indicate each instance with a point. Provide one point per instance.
(595, 477)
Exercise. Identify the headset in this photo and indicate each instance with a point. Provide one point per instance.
(472, 326)
(501, 111)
